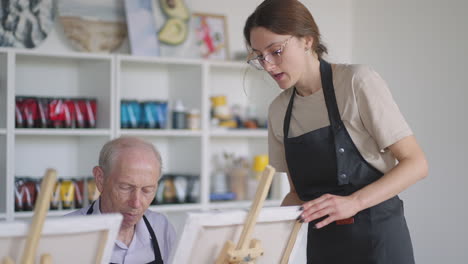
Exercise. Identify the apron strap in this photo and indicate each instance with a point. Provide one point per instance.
(90, 210)
(154, 241)
(330, 100)
(329, 94)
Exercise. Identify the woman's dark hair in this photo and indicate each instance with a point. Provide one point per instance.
(285, 17)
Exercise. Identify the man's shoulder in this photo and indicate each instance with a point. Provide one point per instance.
(78, 212)
(159, 221)
(153, 216)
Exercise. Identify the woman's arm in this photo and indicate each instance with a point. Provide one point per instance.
(412, 166)
(291, 198)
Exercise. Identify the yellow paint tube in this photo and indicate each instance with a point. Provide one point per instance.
(67, 194)
(93, 192)
(55, 199)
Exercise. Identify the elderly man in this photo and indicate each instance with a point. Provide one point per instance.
(127, 177)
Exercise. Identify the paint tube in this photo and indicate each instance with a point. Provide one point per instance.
(55, 200)
(67, 194)
(93, 192)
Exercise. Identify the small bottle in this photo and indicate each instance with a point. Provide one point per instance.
(193, 119)
(179, 116)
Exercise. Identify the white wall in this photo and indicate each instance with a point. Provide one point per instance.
(420, 47)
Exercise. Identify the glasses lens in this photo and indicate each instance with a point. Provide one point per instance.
(273, 58)
(256, 64)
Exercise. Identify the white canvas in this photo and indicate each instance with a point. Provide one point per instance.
(205, 234)
(68, 240)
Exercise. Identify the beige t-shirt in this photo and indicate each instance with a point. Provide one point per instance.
(367, 109)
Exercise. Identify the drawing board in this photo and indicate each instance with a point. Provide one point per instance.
(204, 235)
(80, 239)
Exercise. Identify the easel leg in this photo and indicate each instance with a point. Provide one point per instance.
(7, 260)
(46, 259)
(223, 256)
(291, 242)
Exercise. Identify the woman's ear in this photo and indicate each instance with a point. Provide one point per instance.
(309, 42)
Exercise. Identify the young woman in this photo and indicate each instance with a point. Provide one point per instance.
(337, 132)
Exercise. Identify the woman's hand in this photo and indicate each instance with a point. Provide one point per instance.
(334, 206)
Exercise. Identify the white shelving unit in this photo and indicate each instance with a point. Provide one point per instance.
(110, 79)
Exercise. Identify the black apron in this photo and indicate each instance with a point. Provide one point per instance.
(327, 161)
(154, 241)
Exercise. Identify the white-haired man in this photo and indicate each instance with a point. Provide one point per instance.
(127, 177)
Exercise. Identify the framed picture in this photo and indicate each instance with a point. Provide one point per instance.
(205, 234)
(211, 35)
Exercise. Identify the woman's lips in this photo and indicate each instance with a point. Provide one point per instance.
(278, 76)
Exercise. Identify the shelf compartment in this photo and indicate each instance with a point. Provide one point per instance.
(72, 156)
(152, 80)
(250, 90)
(240, 146)
(180, 155)
(67, 77)
(161, 132)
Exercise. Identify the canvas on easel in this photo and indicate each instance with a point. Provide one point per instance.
(80, 239)
(269, 235)
(204, 235)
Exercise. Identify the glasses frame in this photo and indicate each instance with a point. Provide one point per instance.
(258, 61)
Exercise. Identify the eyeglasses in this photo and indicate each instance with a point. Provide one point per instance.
(274, 58)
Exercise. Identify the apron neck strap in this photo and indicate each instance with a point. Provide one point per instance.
(330, 100)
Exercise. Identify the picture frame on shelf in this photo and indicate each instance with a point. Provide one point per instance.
(211, 35)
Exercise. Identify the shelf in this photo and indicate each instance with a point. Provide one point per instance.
(161, 132)
(111, 78)
(228, 64)
(70, 54)
(249, 133)
(61, 132)
(30, 214)
(157, 208)
(241, 204)
(175, 207)
(160, 60)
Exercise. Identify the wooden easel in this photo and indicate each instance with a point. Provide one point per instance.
(248, 250)
(40, 211)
